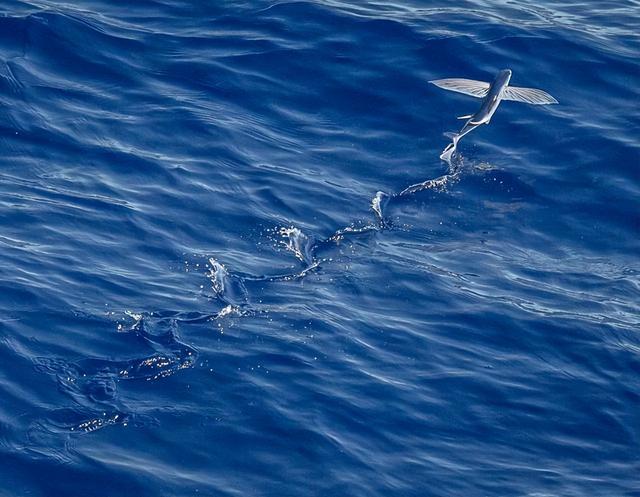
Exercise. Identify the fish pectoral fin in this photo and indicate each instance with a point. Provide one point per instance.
(466, 117)
(527, 95)
(480, 121)
(478, 89)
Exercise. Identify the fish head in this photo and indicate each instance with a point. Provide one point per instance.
(503, 77)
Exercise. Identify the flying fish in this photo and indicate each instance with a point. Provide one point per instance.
(491, 94)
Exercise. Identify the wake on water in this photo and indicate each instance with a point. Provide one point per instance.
(306, 249)
(93, 383)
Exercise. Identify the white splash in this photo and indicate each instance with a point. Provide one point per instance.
(376, 205)
(228, 310)
(296, 242)
(218, 275)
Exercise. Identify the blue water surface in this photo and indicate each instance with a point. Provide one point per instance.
(233, 264)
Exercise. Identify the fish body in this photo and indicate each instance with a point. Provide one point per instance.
(492, 100)
(492, 94)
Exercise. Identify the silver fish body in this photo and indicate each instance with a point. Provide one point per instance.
(492, 94)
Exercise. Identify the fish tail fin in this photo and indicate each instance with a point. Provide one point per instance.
(447, 153)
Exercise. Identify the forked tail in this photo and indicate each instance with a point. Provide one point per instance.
(447, 153)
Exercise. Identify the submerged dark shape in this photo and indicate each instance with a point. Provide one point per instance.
(492, 94)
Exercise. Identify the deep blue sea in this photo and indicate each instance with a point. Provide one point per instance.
(232, 262)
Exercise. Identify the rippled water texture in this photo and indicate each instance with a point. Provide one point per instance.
(232, 263)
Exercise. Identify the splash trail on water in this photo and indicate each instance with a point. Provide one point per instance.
(306, 249)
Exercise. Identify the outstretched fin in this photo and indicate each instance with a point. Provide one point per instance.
(478, 89)
(466, 117)
(485, 120)
(527, 95)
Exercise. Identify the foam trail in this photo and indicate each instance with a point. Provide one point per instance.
(342, 233)
(439, 183)
(305, 248)
(92, 383)
(293, 240)
(430, 184)
(314, 266)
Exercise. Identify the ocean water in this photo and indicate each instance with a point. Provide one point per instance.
(233, 264)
